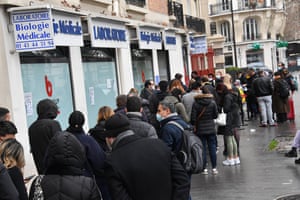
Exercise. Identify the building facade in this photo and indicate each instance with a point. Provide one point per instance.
(292, 35)
(258, 25)
(83, 53)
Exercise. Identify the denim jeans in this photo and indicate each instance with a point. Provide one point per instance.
(210, 141)
(265, 105)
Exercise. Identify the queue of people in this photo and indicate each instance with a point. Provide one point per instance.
(134, 146)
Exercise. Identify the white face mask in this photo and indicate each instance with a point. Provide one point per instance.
(218, 76)
(159, 117)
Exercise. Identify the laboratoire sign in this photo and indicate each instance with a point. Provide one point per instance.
(108, 33)
(43, 28)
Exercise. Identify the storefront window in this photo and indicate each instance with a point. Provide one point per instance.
(141, 66)
(46, 74)
(100, 79)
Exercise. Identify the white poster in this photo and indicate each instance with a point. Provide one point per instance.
(92, 95)
(28, 103)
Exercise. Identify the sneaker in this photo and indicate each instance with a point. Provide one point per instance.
(297, 161)
(205, 172)
(228, 162)
(214, 171)
(275, 124)
(292, 153)
(237, 161)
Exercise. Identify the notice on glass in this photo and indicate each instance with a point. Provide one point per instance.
(28, 103)
(92, 95)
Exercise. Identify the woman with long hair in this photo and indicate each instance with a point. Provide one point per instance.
(230, 106)
(97, 132)
(12, 156)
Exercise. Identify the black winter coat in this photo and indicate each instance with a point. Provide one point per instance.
(7, 187)
(205, 124)
(98, 133)
(232, 109)
(145, 169)
(41, 132)
(64, 178)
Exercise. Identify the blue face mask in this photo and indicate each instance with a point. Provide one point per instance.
(159, 117)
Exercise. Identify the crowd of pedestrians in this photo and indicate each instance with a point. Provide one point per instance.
(132, 151)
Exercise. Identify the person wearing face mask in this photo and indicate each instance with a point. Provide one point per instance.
(170, 133)
(141, 168)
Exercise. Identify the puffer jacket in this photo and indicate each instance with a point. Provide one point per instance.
(139, 127)
(42, 130)
(64, 178)
(205, 124)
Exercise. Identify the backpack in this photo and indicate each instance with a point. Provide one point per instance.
(190, 152)
(284, 89)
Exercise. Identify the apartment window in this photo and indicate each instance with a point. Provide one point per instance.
(213, 28)
(225, 4)
(225, 31)
(250, 29)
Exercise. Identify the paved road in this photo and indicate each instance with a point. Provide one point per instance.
(262, 175)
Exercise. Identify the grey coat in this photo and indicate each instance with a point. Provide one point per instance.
(139, 127)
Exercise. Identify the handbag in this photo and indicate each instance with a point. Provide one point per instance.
(38, 191)
(221, 120)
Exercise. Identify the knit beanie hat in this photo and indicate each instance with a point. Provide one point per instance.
(76, 121)
(3, 112)
(116, 124)
(7, 127)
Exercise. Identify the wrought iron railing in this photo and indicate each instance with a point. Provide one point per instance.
(176, 9)
(139, 3)
(252, 36)
(223, 8)
(195, 23)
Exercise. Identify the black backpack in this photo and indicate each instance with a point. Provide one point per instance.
(284, 89)
(190, 153)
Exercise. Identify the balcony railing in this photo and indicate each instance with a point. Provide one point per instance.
(220, 8)
(139, 3)
(225, 8)
(252, 37)
(176, 9)
(195, 24)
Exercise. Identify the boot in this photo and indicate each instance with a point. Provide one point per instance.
(292, 153)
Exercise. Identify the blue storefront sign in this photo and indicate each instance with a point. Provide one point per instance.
(33, 30)
(45, 28)
(149, 38)
(169, 40)
(198, 45)
(108, 33)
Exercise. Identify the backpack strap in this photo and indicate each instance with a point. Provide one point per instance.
(176, 124)
(199, 116)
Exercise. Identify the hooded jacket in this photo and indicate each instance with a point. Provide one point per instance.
(205, 123)
(64, 178)
(42, 130)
